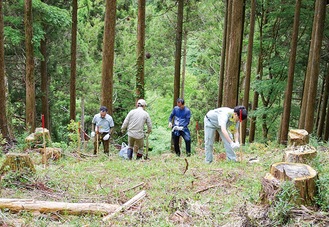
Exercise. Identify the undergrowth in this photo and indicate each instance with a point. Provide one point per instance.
(179, 192)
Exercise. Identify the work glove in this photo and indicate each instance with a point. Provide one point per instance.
(235, 145)
(170, 125)
(92, 134)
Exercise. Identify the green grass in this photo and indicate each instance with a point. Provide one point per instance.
(111, 179)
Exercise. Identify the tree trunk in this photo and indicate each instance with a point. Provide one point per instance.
(222, 59)
(259, 77)
(4, 129)
(321, 123)
(108, 55)
(231, 80)
(303, 176)
(313, 66)
(73, 60)
(300, 154)
(54, 207)
(44, 82)
(140, 92)
(288, 93)
(30, 83)
(248, 67)
(298, 137)
(178, 53)
(17, 162)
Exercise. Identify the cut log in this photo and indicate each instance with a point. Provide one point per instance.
(298, 137)
(126, 205)
(300, 154)
(17, 162)
(52, 207)
(303, 176)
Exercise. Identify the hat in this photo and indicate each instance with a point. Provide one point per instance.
(103, 109)
(141, 102)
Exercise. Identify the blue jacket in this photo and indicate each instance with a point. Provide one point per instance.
(182, 116)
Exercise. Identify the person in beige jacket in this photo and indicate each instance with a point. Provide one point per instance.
(134, 124)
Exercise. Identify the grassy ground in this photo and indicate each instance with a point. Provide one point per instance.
(181, 191)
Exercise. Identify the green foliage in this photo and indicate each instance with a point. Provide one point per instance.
(284, 202)
(73, 134)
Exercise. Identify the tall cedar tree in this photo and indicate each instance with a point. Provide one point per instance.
(288, 93)
(178, 53)
(306, 120)
(248, 65)
(4, 129)
(30, 82)
(222, 58)
(44, 82)
(321, 122)
(73, 59)
(231, 80)
(108, 55)
(252, 130)
(140, 93)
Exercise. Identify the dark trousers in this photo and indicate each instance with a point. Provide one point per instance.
(187, 138)
(106, 143)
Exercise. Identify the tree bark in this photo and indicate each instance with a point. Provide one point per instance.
(140, 92)
(248, 67)
(4, 129)
(303, 176)
(30, 82)
(288, 93)
(53, 207)
(17, 162)
(44, 82)
(321, 123)
(231, 81)
(73, 59)
(108, 55)
(178, 53)
(222, 59)
(313, 66)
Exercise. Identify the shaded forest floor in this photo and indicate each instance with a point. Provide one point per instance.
(180, 191)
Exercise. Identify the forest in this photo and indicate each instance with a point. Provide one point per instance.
(61, 60)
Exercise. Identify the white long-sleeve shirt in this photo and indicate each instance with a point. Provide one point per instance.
(134, 123)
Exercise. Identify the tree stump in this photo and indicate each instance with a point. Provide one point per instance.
(302, 175)
(17, 162)
(300, 154)
(51, 153)
(298, 137)
(36, 139)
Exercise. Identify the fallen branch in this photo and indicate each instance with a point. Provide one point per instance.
(140, 184)
(61, 207)
(186, 167)
(126, 205)
(205, 189)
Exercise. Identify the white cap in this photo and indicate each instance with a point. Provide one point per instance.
(141, 102)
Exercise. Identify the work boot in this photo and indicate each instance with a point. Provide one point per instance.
(130, 153)
(139, 156)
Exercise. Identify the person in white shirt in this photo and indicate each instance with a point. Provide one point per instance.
(102, 126)
(134, 124)
(226, 121)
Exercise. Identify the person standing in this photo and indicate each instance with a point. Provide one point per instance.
(134, 124)
(226, 121)
(182, 116)
(102, 126)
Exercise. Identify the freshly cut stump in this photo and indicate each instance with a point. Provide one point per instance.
(17, 162)
(302, 175)
(298, 137)
(301, 154)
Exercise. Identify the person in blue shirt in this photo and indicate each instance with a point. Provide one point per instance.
(182, 116)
